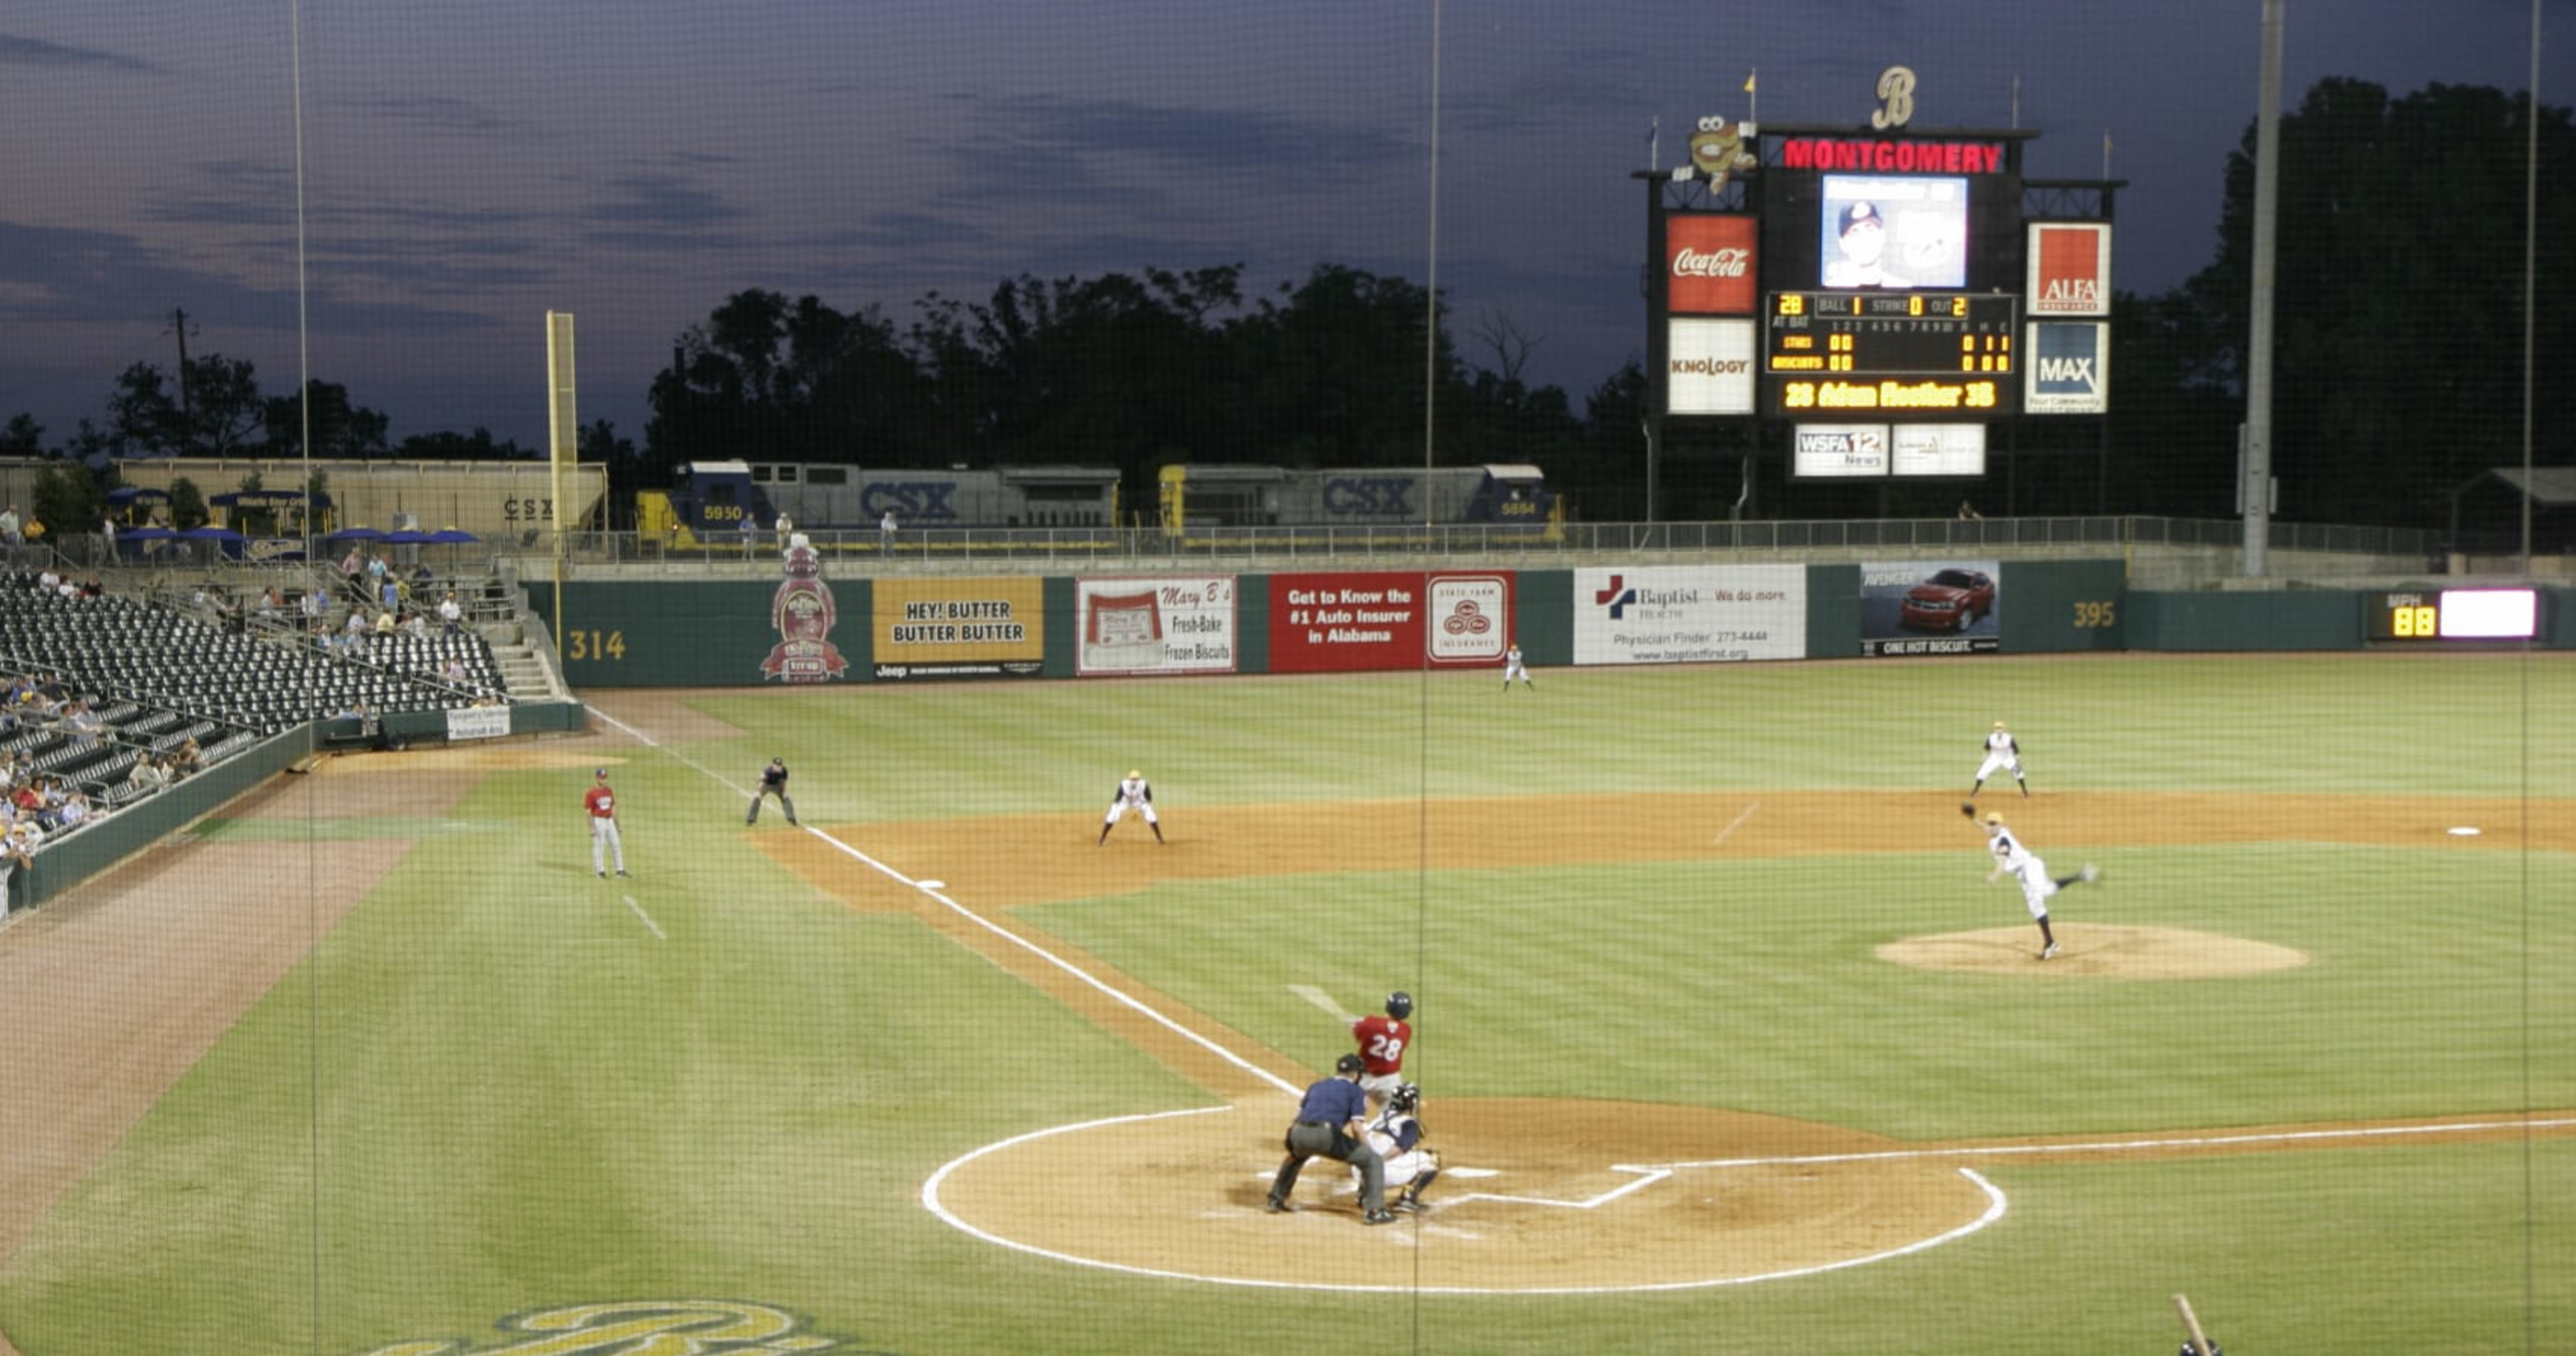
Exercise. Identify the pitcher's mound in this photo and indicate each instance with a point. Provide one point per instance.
(2101, 950)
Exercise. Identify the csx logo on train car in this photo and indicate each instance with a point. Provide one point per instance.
(1369, 496)
(912, 501)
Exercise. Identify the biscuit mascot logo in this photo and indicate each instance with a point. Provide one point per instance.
(803, 614)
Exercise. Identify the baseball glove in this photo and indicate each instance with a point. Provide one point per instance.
(1968, 808)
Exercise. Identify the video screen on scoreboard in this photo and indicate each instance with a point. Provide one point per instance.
(1892, 231)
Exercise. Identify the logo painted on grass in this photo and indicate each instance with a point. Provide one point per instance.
(662, 1327)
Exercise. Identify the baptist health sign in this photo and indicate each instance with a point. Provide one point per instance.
(1690, 615)
(2070, 368)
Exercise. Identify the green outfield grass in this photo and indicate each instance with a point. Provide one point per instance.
(498, 1089)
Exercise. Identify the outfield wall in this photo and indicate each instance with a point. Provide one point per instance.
(723, 633)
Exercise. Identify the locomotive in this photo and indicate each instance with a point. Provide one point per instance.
(715, 499)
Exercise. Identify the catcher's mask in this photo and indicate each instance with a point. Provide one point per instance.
(1406, 1098)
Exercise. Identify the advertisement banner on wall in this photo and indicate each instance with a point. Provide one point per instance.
(1165, 624)
(1690, 614)
(959, 628)
(1925, 607)
(1342, 622)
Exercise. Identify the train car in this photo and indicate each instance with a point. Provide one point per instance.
(711, 499)
(501, 502)
(1203, 498)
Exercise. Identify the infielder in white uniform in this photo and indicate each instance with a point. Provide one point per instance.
(2003, 754)
(2036, 887)
(1134, 793)
(1411, 1163)
(1514, 668)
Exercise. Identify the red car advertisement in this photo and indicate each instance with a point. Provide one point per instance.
(1338, 622)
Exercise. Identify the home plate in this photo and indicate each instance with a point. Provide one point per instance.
(2465, 831)
(932, 884)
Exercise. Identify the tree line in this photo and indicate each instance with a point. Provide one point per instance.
(2399, 304)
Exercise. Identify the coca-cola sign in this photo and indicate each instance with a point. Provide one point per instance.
(1691, 263)
(1708, 264)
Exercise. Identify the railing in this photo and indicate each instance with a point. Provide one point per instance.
(1818, 539)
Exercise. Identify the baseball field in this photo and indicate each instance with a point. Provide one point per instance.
(1726, 1041)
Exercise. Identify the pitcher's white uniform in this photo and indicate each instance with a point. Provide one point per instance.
(2011, 856)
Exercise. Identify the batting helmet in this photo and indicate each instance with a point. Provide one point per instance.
(1405, 1098)
(1348, 1064)
(1399, 1005)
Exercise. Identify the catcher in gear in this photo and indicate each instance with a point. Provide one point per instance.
(1411, 1164)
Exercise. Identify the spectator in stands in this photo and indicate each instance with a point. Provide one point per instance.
(83, 723)
(351, 566)
(451, 613)
(73, 812)
(268, 603)
(385, 623)
(49, 580)
(454, 670)
(356, 630)
(313, 608)
(415, 625)
(147, 775)
(17, 862)
(10, 532)
(91, 588)
(186, 759)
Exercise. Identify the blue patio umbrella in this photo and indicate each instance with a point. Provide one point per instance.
(358, 534)
(450, 536)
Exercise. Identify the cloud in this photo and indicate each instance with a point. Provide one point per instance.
(43, 55)
(437, 113)
(58, 274)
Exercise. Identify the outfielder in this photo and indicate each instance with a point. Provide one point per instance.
(1514, 668)
(2003, 754)
(773, 782)
(601, 805)
(1383, 1041)
(2036, 886)
(1134, 793)
(1411, 1164)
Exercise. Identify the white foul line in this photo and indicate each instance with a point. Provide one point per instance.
(931, 888)
(648, 918)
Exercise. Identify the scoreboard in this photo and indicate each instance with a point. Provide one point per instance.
(1915, 353)
(2452, 614)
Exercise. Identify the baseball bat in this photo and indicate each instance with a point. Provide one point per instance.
(2191, 1324)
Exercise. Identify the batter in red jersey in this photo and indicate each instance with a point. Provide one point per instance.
(1383, 1041)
